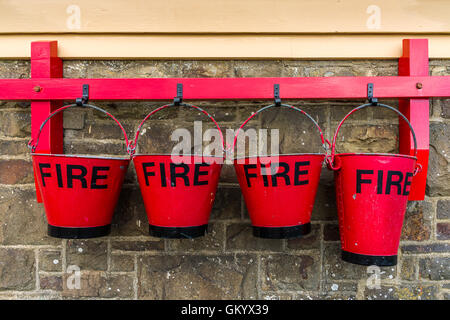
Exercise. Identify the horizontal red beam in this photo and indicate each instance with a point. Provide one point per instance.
(226, 88)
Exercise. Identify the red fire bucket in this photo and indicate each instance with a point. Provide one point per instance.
(79, 192)
(279, 191)
(178, 191)
(371, 193)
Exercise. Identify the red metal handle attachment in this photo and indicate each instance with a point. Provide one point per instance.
(132, 144)
(330, 158)
(33, 144)
(325, 142)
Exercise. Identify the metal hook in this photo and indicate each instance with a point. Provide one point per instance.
(276, 94)
(179, 98)
(84, 100)
(373, 101)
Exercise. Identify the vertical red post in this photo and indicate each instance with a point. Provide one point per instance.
(46, 64)
(414, 62)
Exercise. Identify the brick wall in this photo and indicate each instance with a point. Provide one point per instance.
(229, 262)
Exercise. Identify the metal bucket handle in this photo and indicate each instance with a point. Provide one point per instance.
(325, 142)
(132, 144)
(33, 145)
(330, 159)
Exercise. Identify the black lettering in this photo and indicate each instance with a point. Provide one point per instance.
(44, 174)
(162, 169)
(360, 181)
(96, 176)
(264, 175)
(397, 183)
(147, 174)
(407, 183)
(298, 173)
(282, 174)
(380, 182)
(249, 175)
(59, 176)
(80, 177)
(183, 175)
(198, 173)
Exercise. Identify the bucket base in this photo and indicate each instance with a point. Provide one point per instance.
(178, 232)
(78, 233)
(282, 232)
(367, 260)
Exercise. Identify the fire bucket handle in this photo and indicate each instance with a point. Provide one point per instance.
(132, 144)
(325, 143)
(330, 159)
(33, 144)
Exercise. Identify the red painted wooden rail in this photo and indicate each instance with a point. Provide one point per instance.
(46, 89)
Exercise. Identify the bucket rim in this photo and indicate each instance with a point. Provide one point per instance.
(395, 155)
(81, 156)
(171, 155)
(282, 155)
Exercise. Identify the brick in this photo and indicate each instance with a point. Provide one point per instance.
(443, 209)
(425, 248)
(50, 260)
(17, 269)
(326, 296)
(197, 277)
(276, 295)
(87, 254)
(94, 148)
(22, 219)
(409, 267)
(98, 285)
(227, 204)
(310, 241)
(417, 221)
(129, 217)
(297, 134)
(239, 236)
(14, 147)
(367, 138)
(402, 292)
(212, 241)
(335, 287)
(249, 69)
(16, 171)
(73, 119)
(122, 263)
(154, 244)
(14, 69)
(438, 179)
(325, 203)
(15, 123)
(443, 231)
(435, 268)
(331, 232)
(290, 272)
(228, 174)
(51, 282)
(337, 269)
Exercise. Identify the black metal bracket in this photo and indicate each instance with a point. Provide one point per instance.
(373, 101)
(85, 98)
(179, 98)
(276, 94)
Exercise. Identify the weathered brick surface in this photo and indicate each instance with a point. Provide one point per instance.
(443, 209)
(228, 263)
(17, 269)
(197, 277)
(437, 268)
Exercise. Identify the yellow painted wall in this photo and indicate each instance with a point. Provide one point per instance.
(215, 29)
